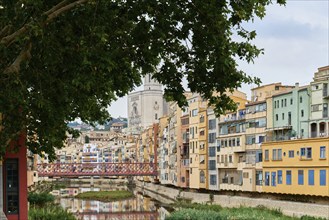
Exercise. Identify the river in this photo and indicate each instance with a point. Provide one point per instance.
(140, 207)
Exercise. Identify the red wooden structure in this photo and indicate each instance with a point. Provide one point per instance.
(14, 189)
(96, 169)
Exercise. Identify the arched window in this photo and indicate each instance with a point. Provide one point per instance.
(202, 177)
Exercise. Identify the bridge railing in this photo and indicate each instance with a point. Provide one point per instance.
(96, 169)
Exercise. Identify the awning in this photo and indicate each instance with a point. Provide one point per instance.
(289, 127)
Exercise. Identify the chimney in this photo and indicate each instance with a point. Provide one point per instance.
(296, 85)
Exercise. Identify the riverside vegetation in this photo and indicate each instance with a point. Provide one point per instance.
(193, 211)
(42, 207)
(106, 196)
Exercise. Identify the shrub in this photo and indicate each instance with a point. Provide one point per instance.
(193, 214)
(40, 199)
(50, 212)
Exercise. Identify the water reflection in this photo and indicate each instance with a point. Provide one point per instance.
(140, 207)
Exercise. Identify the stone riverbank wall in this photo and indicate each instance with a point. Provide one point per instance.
(287, 207)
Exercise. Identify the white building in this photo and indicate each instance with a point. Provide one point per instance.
(145, 107)
(319, 117)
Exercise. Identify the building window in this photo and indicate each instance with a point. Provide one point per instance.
(212, 151)
(212, 124)
(282, 116)
(202, 159)
(301, 99)
(281, 102)
(259, 178)
(325, 110)
(212, 164)
(212, 137)
(276, 117)
(267, 178)
(291, 101)
(291, 154)
(315, 87)
(322, 177)
(12, 186)
(156, 116)
(300, 177)
(266, 155)
(288, 177)
(302, 113)
(306, 152)
(275, 104)
(259, 156)
(230, 160)
(322, 152)
(274, 154)
(279, 176)
(279, 154)
(202, 177)
(201, 118)
(273, 179)
(285, 102)
(250, 139)
(311, 177)
(213, 180)
(194, 112)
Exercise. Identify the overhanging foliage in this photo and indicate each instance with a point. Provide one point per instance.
(60, 60)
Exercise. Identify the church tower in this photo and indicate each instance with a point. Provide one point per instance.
(151, 84)
(145, 107)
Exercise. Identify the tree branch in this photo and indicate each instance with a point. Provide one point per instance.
(56, 7)
(10, 38)
(5, 30)
(25, 54)
(63, 9)
(52, 13)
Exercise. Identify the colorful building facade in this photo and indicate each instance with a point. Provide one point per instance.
(296, 167)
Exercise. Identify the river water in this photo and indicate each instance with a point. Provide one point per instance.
(140, 207)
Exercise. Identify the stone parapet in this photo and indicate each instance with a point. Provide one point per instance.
(290, 208)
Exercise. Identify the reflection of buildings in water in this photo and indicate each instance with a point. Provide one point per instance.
(90, 206)
(140, 207)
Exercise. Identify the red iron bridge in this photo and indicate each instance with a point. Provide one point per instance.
(96, 169)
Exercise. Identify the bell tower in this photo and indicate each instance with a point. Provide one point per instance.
(151, 84)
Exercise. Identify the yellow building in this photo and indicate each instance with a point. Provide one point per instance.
(296, 167)
(196, 104)
(203, 148)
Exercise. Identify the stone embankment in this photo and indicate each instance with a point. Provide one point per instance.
(169, 195)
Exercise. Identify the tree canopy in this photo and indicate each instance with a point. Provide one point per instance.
(67, 59)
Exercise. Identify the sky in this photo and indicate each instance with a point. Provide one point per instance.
(295, 39)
